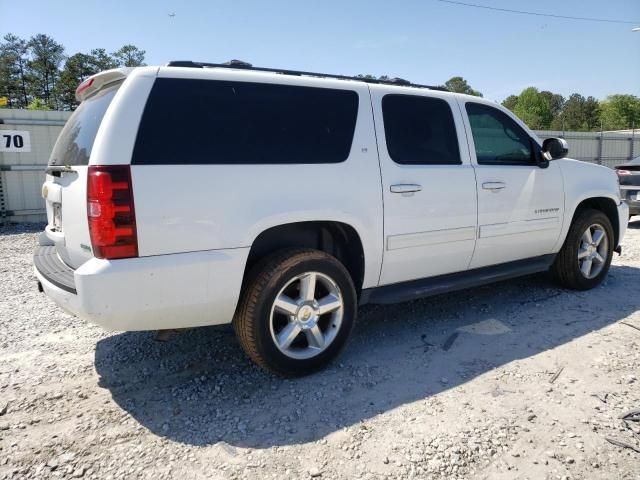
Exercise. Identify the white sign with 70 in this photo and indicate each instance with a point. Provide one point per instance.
(15, 141)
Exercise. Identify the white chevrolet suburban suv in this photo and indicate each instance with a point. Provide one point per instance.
(199, 194)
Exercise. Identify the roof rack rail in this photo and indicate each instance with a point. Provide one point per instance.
(239, 64)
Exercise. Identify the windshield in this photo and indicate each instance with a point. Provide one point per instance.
(635, 161)
(76, 139)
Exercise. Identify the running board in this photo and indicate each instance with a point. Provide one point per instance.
(427, 287)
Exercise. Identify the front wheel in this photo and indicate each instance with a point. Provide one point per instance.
(584, 260)
(297, 310)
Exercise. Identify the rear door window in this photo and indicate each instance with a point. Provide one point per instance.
(75, 141)
(189, 121)
(420, 130)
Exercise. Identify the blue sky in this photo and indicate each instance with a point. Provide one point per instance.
(423, 41)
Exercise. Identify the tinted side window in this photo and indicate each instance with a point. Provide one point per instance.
(219, 122)
(420, 130)
(497, 138)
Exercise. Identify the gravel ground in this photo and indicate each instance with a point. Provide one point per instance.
(515, 380)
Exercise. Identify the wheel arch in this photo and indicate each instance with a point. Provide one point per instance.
(606, 205)
(336, 238)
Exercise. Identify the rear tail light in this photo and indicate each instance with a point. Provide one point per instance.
(623, 172)
(112, 219)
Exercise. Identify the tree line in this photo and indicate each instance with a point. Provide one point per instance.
(545, 110)
(38, 74)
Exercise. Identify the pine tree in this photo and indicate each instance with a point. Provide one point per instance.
(13, 71)
(44, 68)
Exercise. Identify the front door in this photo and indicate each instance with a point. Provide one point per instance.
(429, 187)
(520, 205)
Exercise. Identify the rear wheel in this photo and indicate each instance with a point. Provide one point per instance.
(584, 260)
(296, 312)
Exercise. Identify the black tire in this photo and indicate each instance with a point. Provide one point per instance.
(252, 321)
(566, 267)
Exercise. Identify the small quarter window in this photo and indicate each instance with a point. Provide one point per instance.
(420, 130)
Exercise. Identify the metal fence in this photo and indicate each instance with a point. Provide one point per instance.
(27, 138)
(604, 148)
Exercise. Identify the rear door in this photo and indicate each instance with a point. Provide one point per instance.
(429, 186)
(520, 205)
(65, 188)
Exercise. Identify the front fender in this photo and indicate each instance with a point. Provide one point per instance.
(583, 181)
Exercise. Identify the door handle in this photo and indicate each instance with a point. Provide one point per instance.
(493, 186)
(405, 188)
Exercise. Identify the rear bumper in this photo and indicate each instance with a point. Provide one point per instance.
(151, 293)
(629, 195)
(634, 207)
(49, 266)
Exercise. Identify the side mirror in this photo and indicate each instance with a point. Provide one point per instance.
(555, 148)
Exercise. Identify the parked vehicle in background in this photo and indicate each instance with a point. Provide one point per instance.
(629, 177)
(199, 194)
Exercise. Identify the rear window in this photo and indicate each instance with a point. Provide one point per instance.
(190, 121)
(420, 130)
(75, 142)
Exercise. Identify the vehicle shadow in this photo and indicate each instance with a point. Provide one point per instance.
(199, 388)
(18, 228)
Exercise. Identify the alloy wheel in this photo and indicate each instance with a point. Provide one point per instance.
(306, 315)
(593, 251)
